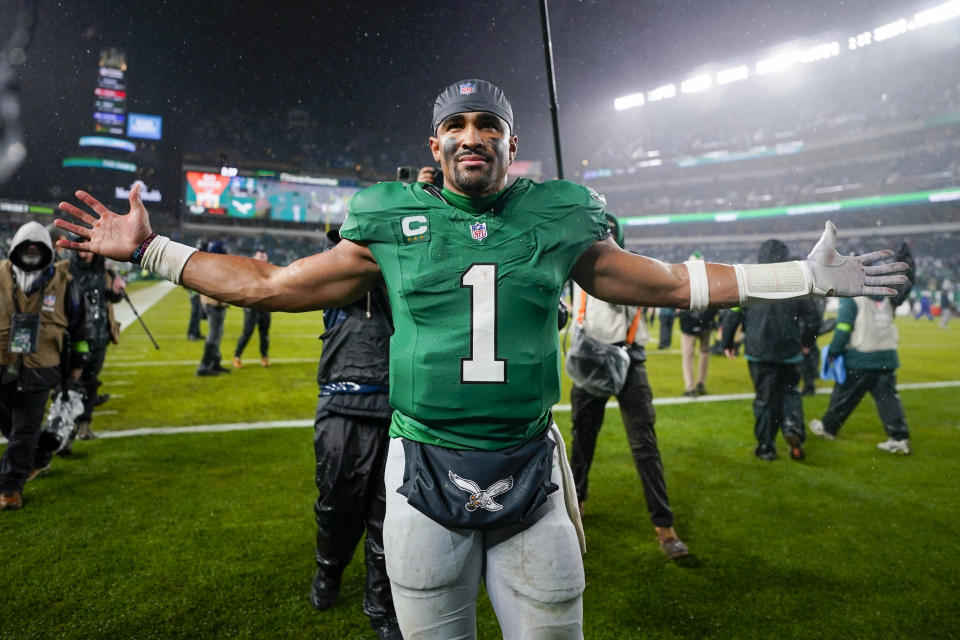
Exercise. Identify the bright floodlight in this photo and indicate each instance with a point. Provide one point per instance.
(733, 75)
(776, 64)
(891, 30)
(820, 52)
(662, 93)
(939, 13)
(627, 102)
(697, 83)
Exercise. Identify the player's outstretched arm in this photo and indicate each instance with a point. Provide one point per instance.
(608, 272)
(332, 278)
(614, 275)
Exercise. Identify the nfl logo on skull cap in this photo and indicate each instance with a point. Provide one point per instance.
(468, 88)
(478, 230)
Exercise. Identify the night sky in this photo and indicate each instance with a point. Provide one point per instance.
(379, 65)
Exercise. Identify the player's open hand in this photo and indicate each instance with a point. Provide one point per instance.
(108, 234)
(837, 275)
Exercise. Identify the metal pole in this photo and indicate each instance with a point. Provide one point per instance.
(142, 323)
(551, 84)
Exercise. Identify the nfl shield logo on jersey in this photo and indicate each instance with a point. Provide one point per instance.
(478, 230)
(467, 88)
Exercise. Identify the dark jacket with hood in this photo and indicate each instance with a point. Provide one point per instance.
(47, 292)
(774, 331)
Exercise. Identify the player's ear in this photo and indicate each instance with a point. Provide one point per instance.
(513, 148)
(434, 144)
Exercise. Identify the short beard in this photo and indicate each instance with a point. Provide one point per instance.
(474, 182)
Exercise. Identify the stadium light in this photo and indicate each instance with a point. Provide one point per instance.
(628, 102)
(937, 14)
(662, 93)
(733, 75)
(890, 30)
(820, 52)
(697, 83)
(776, 64)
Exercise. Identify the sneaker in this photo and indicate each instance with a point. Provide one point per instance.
(265, 361)
(766, 452)
(39, 471)
(701, 390)
(237, 363)
(690, 394)
(817, 427)
(674, 548)
(901, 447)
(11, 501)
(84, 432)
(102, 398)
(796, 451)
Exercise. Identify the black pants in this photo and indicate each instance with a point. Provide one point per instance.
(90, 380)
(636, 409)
(351, 454)
(211, 348)
(21, 416)
(254, 318)
(882, 385)
(196, 315)
(777, 405)
(666, 330)
(810, 367)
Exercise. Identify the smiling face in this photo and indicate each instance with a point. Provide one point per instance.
(474, 150)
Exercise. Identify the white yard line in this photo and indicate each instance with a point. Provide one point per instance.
(164, 363)
(142, 299)
(560, 408)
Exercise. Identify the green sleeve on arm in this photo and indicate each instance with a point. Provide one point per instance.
(846, 317)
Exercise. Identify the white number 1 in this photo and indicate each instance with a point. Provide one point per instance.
(482, 365)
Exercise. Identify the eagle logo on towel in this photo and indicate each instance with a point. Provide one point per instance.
(482, 498)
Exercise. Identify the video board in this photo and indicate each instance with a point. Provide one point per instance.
(266, 195)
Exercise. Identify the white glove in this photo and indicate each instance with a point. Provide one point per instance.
(837, 275)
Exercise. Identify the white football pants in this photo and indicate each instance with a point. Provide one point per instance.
(533, 572)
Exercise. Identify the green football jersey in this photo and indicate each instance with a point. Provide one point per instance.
(474, 358)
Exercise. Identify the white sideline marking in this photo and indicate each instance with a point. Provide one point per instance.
(142, 299)
(165, 363)
(287, 424)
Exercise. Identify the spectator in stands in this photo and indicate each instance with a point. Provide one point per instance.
(350, 442)
(867, 338)
(695, 330)
(775, 334)
(254, 318)
(216, 312)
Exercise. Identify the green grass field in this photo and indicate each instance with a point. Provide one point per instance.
(211, 535)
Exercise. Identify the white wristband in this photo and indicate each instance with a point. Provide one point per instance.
(699, 285)
(166, 258)
(773, 281)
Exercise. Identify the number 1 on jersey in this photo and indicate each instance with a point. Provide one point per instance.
(483, 364)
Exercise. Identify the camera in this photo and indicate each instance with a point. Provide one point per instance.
(407, 174)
